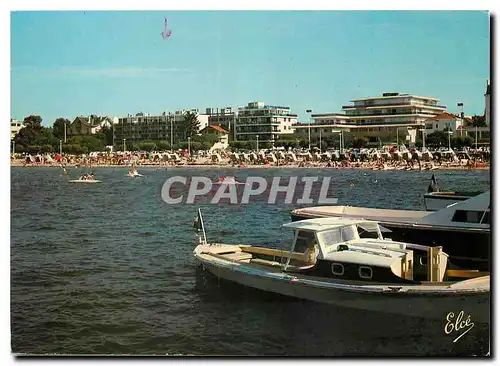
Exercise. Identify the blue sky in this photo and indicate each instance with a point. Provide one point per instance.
(64, 64)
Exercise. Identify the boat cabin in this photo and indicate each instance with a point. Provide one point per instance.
(472, 213)
(354, 249)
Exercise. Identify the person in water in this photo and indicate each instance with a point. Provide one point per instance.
(87, 176)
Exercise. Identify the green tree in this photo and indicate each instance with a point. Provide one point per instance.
(195, 146)
(34, 149)
(163, 145)
(192, 125)
(242, 145)
(359, 142)
(26, 137)
(478, 121)
(92, 143)
(58, 127)
(47, 148)
(438, 138)
(33, 122)
(147, 146)
(105, 135)
(461, 141)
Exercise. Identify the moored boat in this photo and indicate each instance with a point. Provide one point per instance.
(347, 262)
(463, 229)
(436, 200)
(86, 178)
(85, 181)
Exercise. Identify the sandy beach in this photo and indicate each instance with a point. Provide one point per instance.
(363, 166)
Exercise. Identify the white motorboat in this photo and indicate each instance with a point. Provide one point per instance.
(347, 262)
(133, 173)
(436, 200)
(86, 178)
(462, 228)
(89, 181)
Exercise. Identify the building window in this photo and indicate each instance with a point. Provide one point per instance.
(337, 269)
(365, 272)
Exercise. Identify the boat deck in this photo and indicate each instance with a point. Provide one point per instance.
(245, 255)
(375, 214)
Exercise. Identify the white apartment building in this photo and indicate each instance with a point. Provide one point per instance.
(268, 122)
(145, 127)
(393, 109)
(391, 113)
(15, 127)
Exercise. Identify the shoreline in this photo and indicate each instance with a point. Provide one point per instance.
(228, 166)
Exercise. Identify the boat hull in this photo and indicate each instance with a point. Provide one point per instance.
(429, 306)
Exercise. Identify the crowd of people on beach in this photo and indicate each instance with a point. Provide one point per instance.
(478, 159)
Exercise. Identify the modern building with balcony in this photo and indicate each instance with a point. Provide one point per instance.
(268, 122)
(392, 114)
(145, 127)
(392, 109)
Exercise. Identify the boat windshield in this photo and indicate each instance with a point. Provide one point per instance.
(304, 240)
(369, 230)
(337, 236)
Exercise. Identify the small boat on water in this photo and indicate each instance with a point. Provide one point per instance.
(86, 178)
(89, 181)
(347, 262)
(436, 200)
(133, 173)
(227, 180)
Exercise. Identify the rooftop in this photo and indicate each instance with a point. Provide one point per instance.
(444, 115)
(217, 128)
(395, 95)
